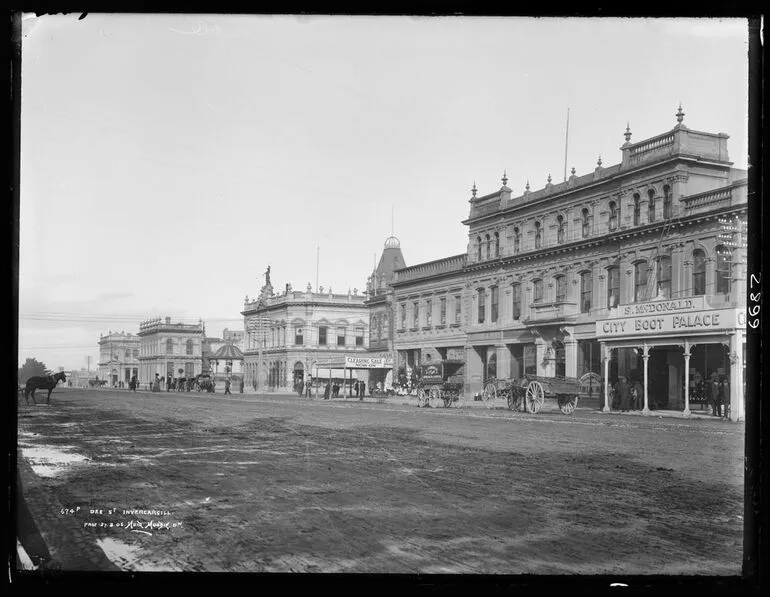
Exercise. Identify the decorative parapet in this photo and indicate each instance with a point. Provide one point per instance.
(735, 194)
(304, 297)
(452, 264)
(151, 326)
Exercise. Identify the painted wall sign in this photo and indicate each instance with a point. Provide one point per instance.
(695, 303)
(681, 323)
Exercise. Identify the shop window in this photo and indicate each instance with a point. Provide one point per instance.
(537, 291)
(530, 359)
(586, 223)
(494, 298)
(322, 335)
(559, 358)
(641, 273)
(698, 272)
(651, 205)
(516, 300)
(561, 288)
(560, 228)
(516, 240)
(664, 277)
(442, 310)
(613, 287)
(722, 270)
(586, 291)
(538, 236)
(637, 209)
(482, 305)
(667, 202)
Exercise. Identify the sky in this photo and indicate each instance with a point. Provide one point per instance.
(167, 160)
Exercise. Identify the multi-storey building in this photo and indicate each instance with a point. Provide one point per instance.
(118, 358)
(381, 311)
(167, 348)
(624, 271)
(295, 331)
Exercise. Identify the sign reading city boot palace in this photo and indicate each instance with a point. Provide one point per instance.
(669, 317)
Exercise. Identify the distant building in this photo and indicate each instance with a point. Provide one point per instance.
(381, 309)
(300, 332)
(118, 358)
(235, 337)
(169, 349)
(80, 378)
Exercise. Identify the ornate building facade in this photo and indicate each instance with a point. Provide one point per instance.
(292, 332)
(118, 358)
(165, 348)
(629, 270)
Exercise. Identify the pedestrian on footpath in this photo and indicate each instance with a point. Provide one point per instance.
(327, 390)
(363, 388)
(240, 386)
(308, 387)
(624, 394)
(132, 384)
(156, 384)
(227, 386)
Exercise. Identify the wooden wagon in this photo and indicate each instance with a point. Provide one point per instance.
(529, 393)
(439, 385)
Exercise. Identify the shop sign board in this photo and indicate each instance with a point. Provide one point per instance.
(668, 323)
(352, 362)
(694, 303)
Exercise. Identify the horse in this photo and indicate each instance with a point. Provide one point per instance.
(43, 383)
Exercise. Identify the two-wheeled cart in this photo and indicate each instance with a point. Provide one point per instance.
(439, 384)
(528, 393)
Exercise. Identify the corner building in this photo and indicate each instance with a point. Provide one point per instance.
(635, 269)
(165, 348)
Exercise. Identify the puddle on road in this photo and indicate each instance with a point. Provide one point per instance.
(47, 461)
(128, 557)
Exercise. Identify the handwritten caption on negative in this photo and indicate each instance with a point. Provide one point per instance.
(124, 518)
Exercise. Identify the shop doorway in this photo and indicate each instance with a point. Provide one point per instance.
(664, 370)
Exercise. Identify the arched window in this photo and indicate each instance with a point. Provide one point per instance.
(189, 347)
(497, 244)
(561, 288)
(537, 291)
(516, 240)
(613, 287)
(478, 248)
(586, 291)
(613, 215)
(641, 273)
(516, 296)
(482, 305)
(169, 346)
(586, 223)
(664, 277)
(667, 202)
(698, 272)
(488, 247)
(651, 205)
(723, 270)
(538, 235)
(637, 209)
(560, 229)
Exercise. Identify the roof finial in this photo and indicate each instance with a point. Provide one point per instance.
(473, 190)
(527, 186)
(627, 134)
(599, 161)
(549, 178)
(573, 171)
(505, 179)
(680, 114)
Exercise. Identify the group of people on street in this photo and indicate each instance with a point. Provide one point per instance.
(627, 395)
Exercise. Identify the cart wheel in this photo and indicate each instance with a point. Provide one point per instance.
(567, 404)
(422, 398)
(489, 394)
(534, 397)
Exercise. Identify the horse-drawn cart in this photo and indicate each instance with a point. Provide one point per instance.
(439, 384)
(529, 393)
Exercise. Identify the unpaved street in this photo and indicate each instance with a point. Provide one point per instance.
(276, 483)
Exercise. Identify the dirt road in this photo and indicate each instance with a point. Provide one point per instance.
(259, 484)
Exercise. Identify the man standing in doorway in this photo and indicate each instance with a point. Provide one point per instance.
(227, 386)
